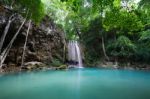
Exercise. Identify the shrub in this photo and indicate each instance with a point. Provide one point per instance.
(122, 47)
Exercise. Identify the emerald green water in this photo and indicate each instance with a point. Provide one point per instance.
(76, 84)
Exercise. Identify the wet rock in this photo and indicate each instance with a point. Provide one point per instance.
(10, 68)
(33, 65)
(129, 68)
(62, 67)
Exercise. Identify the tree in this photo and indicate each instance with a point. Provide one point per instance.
(123, 47)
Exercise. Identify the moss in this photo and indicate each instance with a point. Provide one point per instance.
(56, 63)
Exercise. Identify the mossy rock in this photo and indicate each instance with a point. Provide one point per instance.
(62, 67)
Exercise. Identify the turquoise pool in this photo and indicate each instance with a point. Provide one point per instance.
(86, 83)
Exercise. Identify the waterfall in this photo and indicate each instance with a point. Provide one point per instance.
(74, 54)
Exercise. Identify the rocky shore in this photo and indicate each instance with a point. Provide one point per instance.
(126, 66)
(30, 66)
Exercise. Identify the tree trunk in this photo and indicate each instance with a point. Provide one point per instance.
(6, 50)
(4, 36)
(103, 47)
(22, 61)
(64, 52)
(78, 32)
(5, 32)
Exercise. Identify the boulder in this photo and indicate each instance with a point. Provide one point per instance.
(33, 65)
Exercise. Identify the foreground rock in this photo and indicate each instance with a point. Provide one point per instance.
(62, 67)
(33, 66)
(10, 69)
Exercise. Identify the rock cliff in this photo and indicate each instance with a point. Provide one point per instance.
(45, 41)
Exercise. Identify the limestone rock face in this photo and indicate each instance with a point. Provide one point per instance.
(45, 40)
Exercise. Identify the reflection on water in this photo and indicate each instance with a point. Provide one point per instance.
(76, 84)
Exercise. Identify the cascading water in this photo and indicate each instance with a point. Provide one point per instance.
(74, 54)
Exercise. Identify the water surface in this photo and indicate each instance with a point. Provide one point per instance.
(89, 83)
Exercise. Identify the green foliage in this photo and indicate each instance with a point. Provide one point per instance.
(56, 63)
(57, 10)
(100, 5)
(145, 35)
(78, 18)
(142, 54)
(117, 3)
(122, 47)
(144, 7)
(122, 20)
(35, 7)
(5, 2)
(91, 38)
(145, 38)
(144, 3)
(124, 27)
(115, 21)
